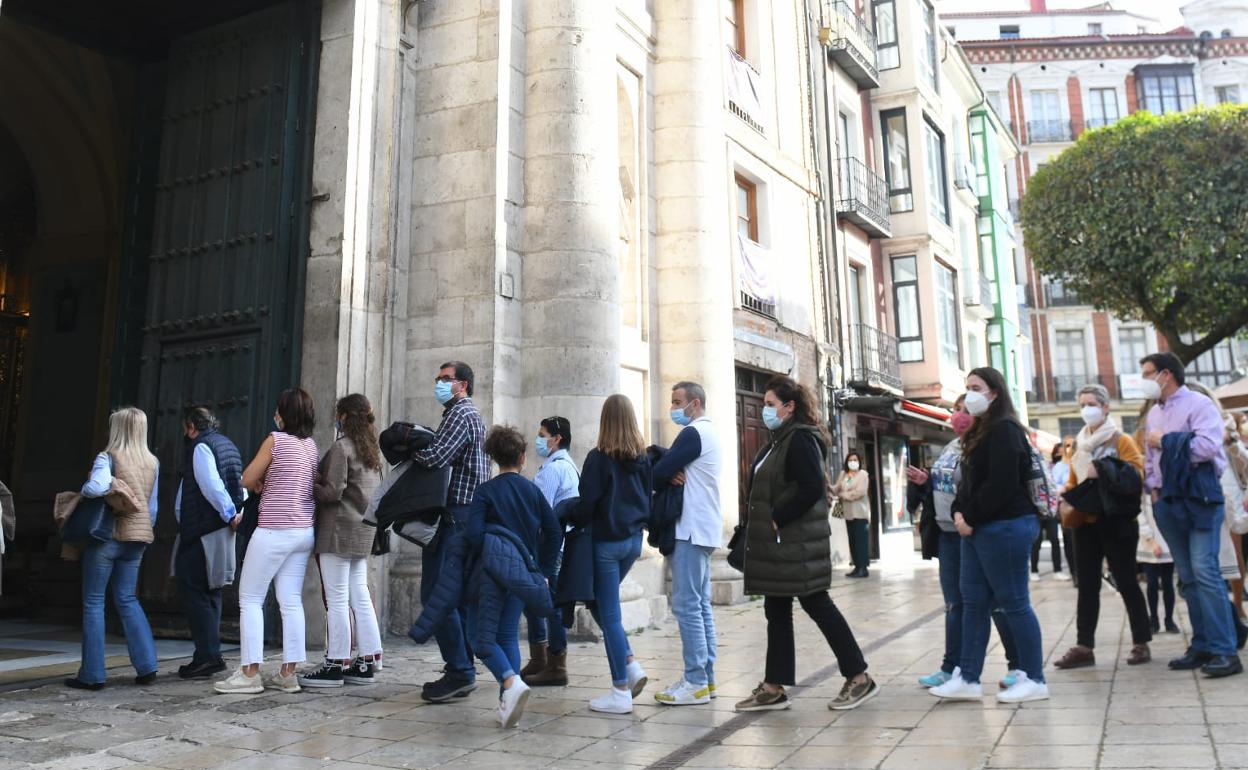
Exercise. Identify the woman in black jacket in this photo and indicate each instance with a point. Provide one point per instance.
(994, 513)
(787, 553)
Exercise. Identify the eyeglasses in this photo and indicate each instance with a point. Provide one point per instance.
(445, 378)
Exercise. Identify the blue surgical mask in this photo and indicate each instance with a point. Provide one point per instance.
(543, 446)
(680, 418)
(442, 391)
(771, 419)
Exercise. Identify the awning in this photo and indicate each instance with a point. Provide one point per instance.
(1233, 395)
(923, 412)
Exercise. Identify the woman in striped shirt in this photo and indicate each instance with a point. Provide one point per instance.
(283, 473)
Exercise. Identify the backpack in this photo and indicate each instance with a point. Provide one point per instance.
(1044, 495)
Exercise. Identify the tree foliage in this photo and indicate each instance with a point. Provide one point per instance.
(1148, 219)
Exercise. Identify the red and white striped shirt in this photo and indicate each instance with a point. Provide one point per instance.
(287, 502)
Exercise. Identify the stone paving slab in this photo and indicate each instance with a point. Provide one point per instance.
(1108, 716)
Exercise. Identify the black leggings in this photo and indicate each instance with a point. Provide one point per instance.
(1048, 527)
(1160, 575)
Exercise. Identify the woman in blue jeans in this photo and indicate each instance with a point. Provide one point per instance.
(115, 563)
(615, 502)
(996, 518)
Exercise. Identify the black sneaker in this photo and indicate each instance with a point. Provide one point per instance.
(446, 688)
(143, 680)
(1222, 665)
(201, 670)
(359, 672)
(1172, 627)
(328, 675)
(1191, 659)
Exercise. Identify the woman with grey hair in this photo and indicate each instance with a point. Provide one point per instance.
(1101, 536)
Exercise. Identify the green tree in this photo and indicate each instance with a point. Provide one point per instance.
(1148, 219)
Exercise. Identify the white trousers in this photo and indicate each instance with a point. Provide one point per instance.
(344, 582)
(280, 557)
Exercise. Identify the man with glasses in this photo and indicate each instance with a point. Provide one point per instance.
(459, 443)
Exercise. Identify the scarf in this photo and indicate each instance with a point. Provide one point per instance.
(1088, 445)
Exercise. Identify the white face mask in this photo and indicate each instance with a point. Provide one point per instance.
(977, 403)
(1149, 389)
(853, 465)
(1092, 416)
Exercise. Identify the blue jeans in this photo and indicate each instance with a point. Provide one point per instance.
(995, 563)
(691, 604)
(452, 633)
(612, 561)
(548, 631)
(949, 552)
(502, 659)
(1195, 553)
(115, 564)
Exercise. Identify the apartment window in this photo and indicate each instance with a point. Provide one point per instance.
(734, 25)
(844, 136)
(1132, 346)
(1069, 427)
(1071, 364)
(1009, 31)
(947, 316)
(1129, 423)
(1166, 89)
(747, 209)
(888, 52)
(937, 183)
(1213, 368)
(855, 315)
(1227, 94)
(1044, 124)
(930, 68)
(1095, 28)
(1102, 107)
(906, 309)
(897, 161)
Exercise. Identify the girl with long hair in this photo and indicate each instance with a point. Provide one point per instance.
(615, 501)
(348, 476)
(115, 563)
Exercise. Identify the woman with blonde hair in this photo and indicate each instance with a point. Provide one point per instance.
(615, 503)
(115, 563)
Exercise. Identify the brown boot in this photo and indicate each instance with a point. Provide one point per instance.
(537, 661)
(1139, 654)
(554, 675)
(1077, 657)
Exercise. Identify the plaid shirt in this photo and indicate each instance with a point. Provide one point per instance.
(458, 443)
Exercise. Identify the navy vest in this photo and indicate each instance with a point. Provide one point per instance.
(198, 517)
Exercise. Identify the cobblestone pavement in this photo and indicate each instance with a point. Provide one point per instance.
(1110, 716)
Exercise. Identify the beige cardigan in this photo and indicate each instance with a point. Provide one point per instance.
(853, 493)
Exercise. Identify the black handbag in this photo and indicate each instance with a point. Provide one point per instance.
(91, 521)
(736, 549)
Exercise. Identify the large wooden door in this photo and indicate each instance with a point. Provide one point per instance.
(224, 269)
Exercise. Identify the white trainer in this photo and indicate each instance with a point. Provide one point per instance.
(511, 703)
(1035, 577)
(239, 683)
(1024, 690)
(636, 678)
(614, 702)
(286, 683)
(684, 693)
(958, 688)
(1061, 575)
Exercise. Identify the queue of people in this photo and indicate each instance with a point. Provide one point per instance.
(507, 547)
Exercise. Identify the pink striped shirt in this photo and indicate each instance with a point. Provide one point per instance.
(287, 502)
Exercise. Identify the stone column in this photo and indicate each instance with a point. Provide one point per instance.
(695, 289)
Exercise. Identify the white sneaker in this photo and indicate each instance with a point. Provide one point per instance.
(239, 683)
(614, 702)
(1035, 577)
(683, 693)
(1024, 690)
(287, 683)
(958, 688)
(1010, 678)
(1061, 575)
(636, 678)
(511, 703)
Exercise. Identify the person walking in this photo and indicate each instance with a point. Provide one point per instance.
(1050, 526)
(1110, 536)
(996, 517)
(458, 443)
(616, 484)
(348, 476)
(1184, 462)
(282, 473)
(209, 496)
(559, 481)
(851, 489)
(693, 462)
(936, 488)
(512, 503)
(787, 553)
(115, 564)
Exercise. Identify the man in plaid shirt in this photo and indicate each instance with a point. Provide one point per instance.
(458, 443)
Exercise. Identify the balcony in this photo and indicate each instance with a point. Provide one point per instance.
(851, 44)
(863, 198)
(1064, 388)
(873, 359)
(1100, 122)
(744, 87)
(979, 293)
(1048, 131)
(1057, 295)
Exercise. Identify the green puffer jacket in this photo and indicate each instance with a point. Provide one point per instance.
(801, 563)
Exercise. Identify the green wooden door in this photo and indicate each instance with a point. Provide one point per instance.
(224, 275)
